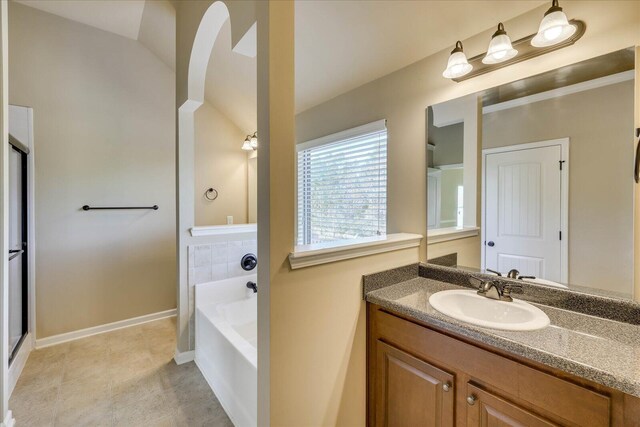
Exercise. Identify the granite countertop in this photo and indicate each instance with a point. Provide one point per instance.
(598, 349)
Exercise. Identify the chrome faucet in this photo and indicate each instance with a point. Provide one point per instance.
(495, 290)
(513, 274)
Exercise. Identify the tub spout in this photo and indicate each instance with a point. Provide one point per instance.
(253, 286)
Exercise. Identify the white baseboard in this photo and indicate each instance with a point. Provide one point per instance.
(83, 333)
(20, 360)
(184, 356)
(9, 421)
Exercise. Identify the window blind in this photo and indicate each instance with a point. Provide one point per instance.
(342, 185)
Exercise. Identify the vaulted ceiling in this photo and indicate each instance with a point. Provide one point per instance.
(340, 45)
(152, 23)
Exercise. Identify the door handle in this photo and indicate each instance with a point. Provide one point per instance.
(14, 253)
(491, 243)
(636, 171)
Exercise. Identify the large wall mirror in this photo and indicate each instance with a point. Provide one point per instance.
(556, 188)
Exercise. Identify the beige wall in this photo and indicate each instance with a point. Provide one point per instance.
(450, 180)
(322, 394)
(599, 124)
(220, 163)
(103, 125)
(448, 141)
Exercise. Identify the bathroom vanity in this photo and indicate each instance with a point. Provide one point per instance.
(428, 369)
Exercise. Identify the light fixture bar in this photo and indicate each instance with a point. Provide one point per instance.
(525, 51)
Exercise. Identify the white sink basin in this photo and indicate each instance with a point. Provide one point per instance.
(470, 307)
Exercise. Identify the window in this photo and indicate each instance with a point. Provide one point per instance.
(342, 185)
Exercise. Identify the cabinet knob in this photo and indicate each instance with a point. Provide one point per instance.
(447, 386)
(471, 399)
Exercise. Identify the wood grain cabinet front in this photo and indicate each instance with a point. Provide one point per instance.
(488, 410)
(411, 392)
(421, 376)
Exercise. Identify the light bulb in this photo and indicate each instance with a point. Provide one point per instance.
(500, 48)
(457, 66)
(554, 27)
(552, 33)
(246, 146)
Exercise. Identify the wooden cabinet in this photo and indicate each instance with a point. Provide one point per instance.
(418, 375)
(488, 410)
(411, 392)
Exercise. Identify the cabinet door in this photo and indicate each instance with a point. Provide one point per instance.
(411, 392)
(487, 410)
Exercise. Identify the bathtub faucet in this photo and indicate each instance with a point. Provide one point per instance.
(253, 286)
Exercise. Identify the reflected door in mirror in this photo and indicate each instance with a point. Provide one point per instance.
(524, 210)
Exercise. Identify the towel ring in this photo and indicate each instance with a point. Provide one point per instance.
(211, 191)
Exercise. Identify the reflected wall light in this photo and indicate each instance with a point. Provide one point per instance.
(246, 145)
(251, 142)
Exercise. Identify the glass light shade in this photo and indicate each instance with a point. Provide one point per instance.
(457, 66)
(554, 28)
(246, 146)
(500, 50)
(254, 141)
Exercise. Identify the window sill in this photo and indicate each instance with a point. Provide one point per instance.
(453, 233)
(324, 253)
(216, 230)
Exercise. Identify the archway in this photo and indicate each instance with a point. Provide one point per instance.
(208, 30)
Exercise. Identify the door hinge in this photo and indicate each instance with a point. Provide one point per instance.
(561, 162)
(560, 235)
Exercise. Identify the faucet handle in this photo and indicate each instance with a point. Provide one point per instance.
(494, 272)
(476, 281)
(512, 288)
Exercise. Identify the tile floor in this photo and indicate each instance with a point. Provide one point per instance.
(122, 378)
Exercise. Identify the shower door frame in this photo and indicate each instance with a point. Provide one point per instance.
(23, 151)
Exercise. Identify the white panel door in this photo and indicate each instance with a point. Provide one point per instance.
(523, 211)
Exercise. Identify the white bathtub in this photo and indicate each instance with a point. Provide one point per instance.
(226, 345)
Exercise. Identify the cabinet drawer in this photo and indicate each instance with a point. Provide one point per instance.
(577, 405)
(485, 409)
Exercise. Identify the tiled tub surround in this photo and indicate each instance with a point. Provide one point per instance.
(219, 260)
(217, 257)
(595, 338)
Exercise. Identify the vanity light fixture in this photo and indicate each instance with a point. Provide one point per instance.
(555, 32)
(457, 66)
(246, 146)
(251, 142)
(500, 48)
(554, 27)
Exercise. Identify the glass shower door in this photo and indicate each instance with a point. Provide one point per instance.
(18, 263)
